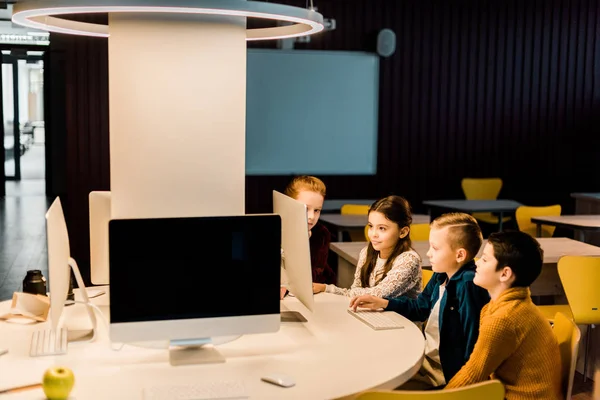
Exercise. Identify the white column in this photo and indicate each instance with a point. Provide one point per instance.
(177, 92)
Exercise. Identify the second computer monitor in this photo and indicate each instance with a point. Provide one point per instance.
(296, 247)
(58, 260)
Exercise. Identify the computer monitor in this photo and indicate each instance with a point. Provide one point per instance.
(296, 247)
(60, 264)
(100, 213)
(188, 281)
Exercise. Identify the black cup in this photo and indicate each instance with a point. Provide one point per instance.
(34, 282)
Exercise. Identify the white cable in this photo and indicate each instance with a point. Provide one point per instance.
(102, 317)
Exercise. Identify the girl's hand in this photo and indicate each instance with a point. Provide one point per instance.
(282, 292)
(318, 287)
(368, 301)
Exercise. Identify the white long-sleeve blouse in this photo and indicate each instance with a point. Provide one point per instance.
(403, 279)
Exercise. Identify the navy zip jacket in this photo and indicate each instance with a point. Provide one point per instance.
(459, 314)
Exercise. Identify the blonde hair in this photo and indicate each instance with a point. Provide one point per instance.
(305, 183)
(463, 232)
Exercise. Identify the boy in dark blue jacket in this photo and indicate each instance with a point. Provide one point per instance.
(450, 303)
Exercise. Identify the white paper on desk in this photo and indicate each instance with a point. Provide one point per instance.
(28, 306)
(92, 293)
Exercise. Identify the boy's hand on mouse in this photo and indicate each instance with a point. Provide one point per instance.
(282, 292)
(368, 301)
(318, 287)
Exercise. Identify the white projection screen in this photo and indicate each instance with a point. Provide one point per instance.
(311, 112)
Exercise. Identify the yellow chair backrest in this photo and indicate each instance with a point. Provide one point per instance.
(481, 188)
(355, 209)
(488, 390)
(419, 232)
(426, 274)
(568, 336)
(524, 214)
(579, 276)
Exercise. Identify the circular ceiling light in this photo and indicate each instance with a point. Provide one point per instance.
(45, 15)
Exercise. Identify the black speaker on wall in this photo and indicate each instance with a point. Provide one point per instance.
(386, 42)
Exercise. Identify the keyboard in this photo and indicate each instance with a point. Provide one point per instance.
(222, 389)
(48, 342)
(376, 319)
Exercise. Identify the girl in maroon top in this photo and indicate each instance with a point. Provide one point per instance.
(311, 191)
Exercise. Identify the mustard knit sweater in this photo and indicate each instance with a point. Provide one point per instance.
(515, 345)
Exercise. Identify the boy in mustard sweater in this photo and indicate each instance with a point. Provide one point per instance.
(516, 344)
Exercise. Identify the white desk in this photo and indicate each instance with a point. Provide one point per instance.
(547, 284)
(579, 223)
(351, 222)
(334, 355)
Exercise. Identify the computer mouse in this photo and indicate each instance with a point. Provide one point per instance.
(279, 380)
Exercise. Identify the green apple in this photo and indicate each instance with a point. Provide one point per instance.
(58, 382)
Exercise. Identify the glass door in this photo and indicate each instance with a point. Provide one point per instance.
(10, 116)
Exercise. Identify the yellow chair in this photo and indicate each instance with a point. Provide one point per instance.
(356, 209)
(483, 189)
(420, 232)
(579, 276)
(426, 276)
(488, 390)
(568, 336)
(524, 214)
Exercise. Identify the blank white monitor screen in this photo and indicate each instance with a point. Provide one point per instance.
(185, 278)
(296, 247)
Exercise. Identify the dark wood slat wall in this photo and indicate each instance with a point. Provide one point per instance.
(81, 65)
(475, 88)
(485, 88)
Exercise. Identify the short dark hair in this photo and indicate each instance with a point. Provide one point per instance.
(519, 251)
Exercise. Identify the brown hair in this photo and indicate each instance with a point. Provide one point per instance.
(397, 210)
(307, 183)
(463, 232)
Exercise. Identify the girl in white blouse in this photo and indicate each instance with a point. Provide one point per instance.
(387, 266)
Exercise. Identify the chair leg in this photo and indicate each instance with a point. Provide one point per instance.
(587, 350)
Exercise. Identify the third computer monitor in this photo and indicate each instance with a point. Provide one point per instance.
(100, 212)
(296, 247)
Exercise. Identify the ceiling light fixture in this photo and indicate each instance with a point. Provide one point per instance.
(45, 15)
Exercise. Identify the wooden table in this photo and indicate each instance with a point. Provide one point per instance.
(470, 206)
(349, 222)
(579, 223)
(547, 284)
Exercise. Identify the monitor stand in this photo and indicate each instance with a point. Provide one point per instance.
(84, 335)
(292, 316)
(48, 342)
(197, 351)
